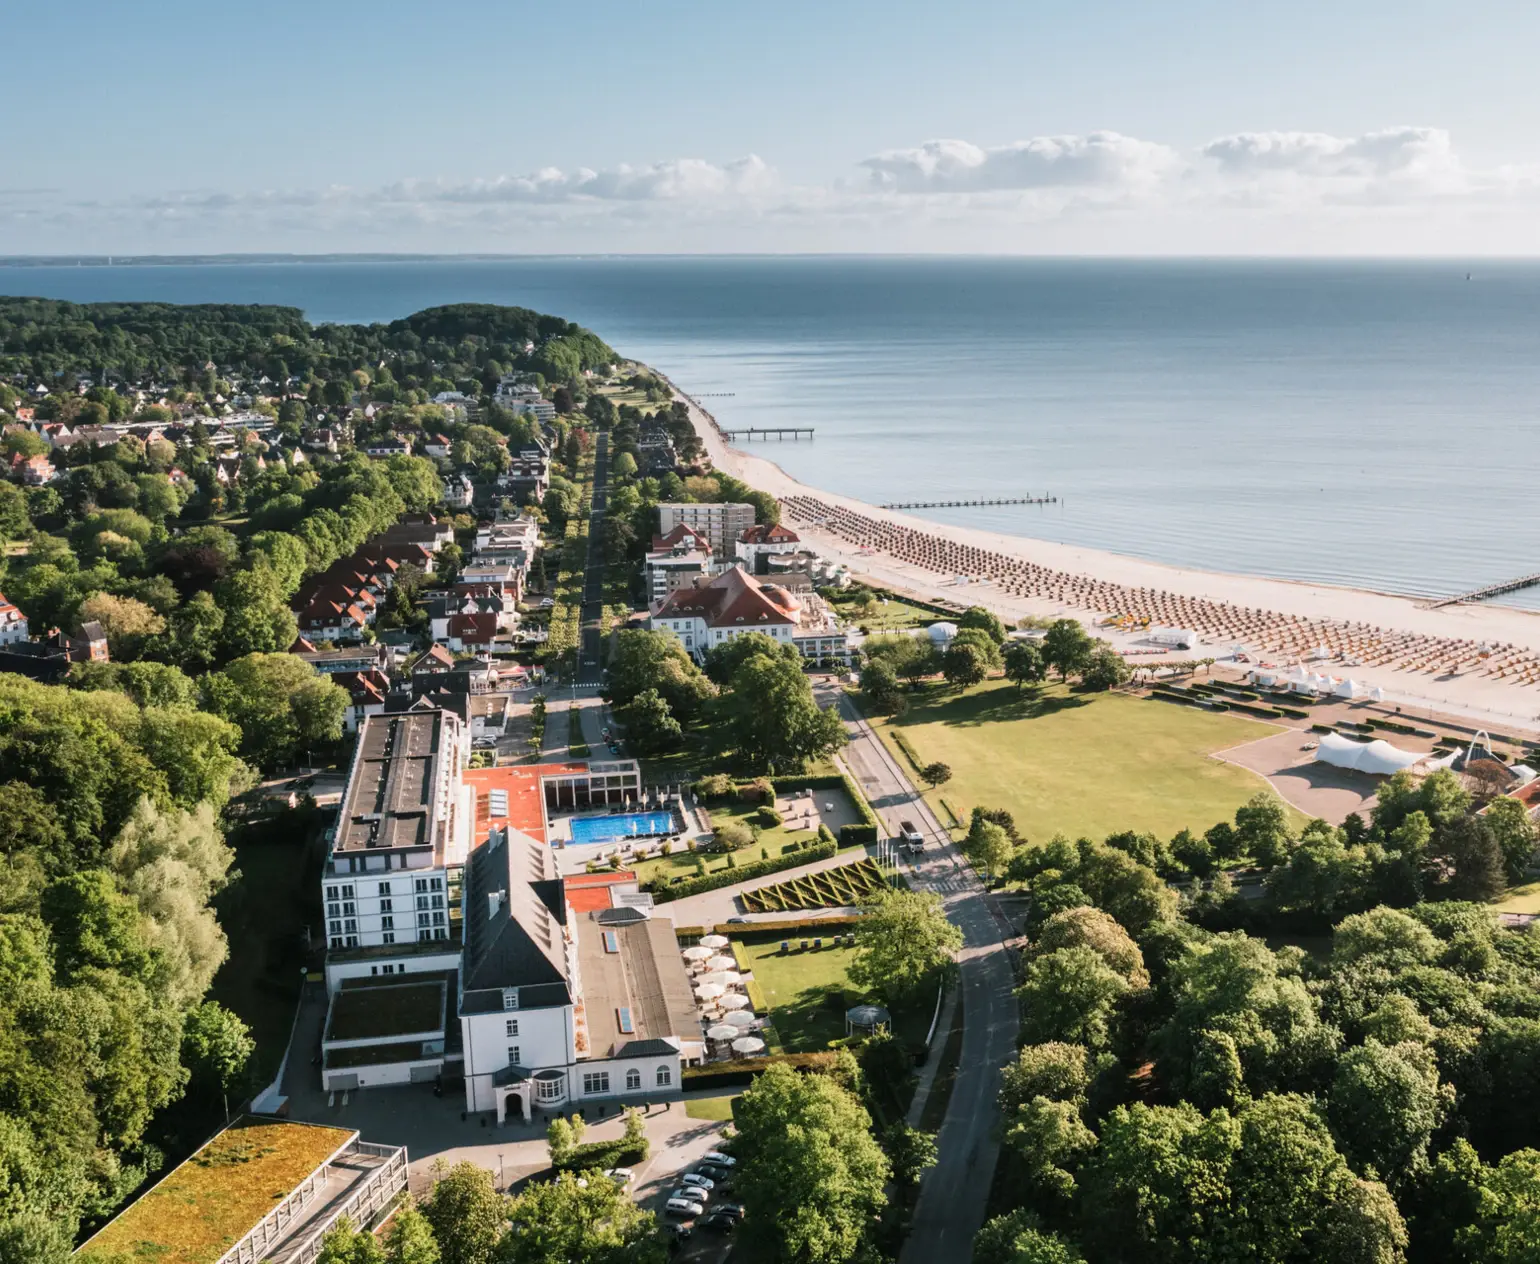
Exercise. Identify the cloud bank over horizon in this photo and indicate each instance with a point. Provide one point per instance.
(1401, 189)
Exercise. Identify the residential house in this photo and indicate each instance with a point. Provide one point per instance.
(459, 491)
(680, 559)
(528, 476)
(367, 691)
(437, 446)
(757, 545)
(34, 471)
(390, 445)
(13, 624)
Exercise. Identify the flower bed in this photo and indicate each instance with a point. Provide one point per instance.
(851, 884)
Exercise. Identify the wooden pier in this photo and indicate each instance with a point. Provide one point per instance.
(1490, 590)
(765, 432)
(969, 504)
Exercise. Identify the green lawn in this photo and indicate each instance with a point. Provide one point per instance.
(798, 988)
(719, 1109)
(891, 614)
(1524, 898)
(1078, 764)
(681, 863)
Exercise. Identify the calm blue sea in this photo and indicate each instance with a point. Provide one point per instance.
(1361, 423)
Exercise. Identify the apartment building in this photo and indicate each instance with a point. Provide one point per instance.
(721, 524)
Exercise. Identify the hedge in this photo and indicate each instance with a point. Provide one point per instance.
(756, 995)
(857, 835)
(1321, 728)
(1293, 714)
(616, 1153)
(779, 930)
(728, 1074)
(743, 873)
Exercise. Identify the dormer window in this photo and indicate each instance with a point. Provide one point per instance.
(510, 998)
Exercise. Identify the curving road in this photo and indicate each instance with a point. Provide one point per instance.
(954, 1193)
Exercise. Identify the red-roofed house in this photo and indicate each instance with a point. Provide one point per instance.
(468, 633)
(765, 540)
(13, 624)
(735, 603)
(366, 695)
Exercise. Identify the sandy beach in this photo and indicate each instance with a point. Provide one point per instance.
(1480, 661)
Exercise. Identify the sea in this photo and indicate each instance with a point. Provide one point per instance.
(1372, 424)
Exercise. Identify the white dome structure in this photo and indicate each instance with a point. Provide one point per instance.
(942, 633)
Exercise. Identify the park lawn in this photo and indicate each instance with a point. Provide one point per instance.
(798, 987)
(1079, 764)
(719, 1109)
(1523, 898)
(892, 614)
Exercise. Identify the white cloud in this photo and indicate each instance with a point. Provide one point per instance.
(1396, 151)
(680, 179)
(1106, 160)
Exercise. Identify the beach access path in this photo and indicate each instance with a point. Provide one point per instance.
(954, 1193)
(1469, 694)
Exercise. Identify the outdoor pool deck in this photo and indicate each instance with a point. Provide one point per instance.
(618, 826)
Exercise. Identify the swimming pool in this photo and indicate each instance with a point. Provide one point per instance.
(600, 829)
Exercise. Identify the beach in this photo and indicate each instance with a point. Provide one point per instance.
(1479, 661)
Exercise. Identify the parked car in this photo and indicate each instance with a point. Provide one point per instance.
(682, 1208)
(721, 1175)
(729, 1209)
(695, 1178)
(678, 1232)
(620, 1175)
(692, 1194)
(719, 1157)
(716, 1222)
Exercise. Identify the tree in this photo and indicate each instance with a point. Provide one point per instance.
(812, 1176)
(1018, 1238)
(1468, 864)
(1052, 1141)
(963, 665)
(1384, 1105)
(1261, 829)
(984, 620)
(280, 703)
(467, 1214)
(127, 623)
(1056, 1071)
(409, 1240)
(1066, 647)
(909, 1150)
(216, 1046)
(625, 466)
(1024, 664)
(589, 1222)
(771, 718)
(1092, 928)
(988, 846)
(724, 660)
(987, 646)
(1515, 835)
(902, 943)
(936, 774)
(879, 687)
(257, 618)
(1105, 669)
(642, 660)
(343, 1244)
(1070, 995)
(650, 724)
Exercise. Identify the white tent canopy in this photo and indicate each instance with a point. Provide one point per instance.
(1349, 688)
(722, 963)
(698, 953)
(713, 941)
(709, 991)
(735, 1000)
(1378, 757)
(740, 1018)
(724, 1031)
(748, 1044)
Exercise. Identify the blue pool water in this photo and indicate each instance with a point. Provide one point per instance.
(599, 829)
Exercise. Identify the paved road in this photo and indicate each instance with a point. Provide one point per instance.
(955, 1192)
(590, 671)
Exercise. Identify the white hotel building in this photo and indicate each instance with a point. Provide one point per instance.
(452, 955)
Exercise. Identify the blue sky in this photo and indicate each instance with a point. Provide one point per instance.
(1088, 127)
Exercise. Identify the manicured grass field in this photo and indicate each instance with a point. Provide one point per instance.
(1078, 764)
(1524, 898)
(798, 987)
(719, 1109)
(891, 614)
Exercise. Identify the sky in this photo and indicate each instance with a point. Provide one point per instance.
(983, 126)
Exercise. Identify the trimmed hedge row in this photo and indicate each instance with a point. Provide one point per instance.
(728, 1074)
(752, 931)
(743, 873)
(592, 1154)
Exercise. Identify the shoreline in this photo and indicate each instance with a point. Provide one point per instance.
(1431, 656)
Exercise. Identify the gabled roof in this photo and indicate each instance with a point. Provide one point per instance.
(519, 942)
(434, 658)
(772, 533)
(678, 536)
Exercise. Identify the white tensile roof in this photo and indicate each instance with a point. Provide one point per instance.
(1378, 757)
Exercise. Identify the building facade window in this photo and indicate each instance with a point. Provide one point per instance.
(595, 1082)
(387, 922)
(388, 937)
(513, 1055)
(512, 1026)
(336, 941)
(387, 906)
(510, 998)
(550, 1089)
(665, 1077)
(633, 1080)
(383, 889)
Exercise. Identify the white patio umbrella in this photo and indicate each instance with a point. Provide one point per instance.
(735, 1000)
(710, 991)
(698, 953)
(748, 1044)
(727, 978)
(739, 1018)
(722, 962)
(713, 941)
(724, 1031)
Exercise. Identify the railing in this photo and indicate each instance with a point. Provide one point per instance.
(386, 1182)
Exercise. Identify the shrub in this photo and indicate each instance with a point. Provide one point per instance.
(732, 835)
(768, 817)
(726, 877)
(717, 786)
(727, 1074)
(857, 835)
